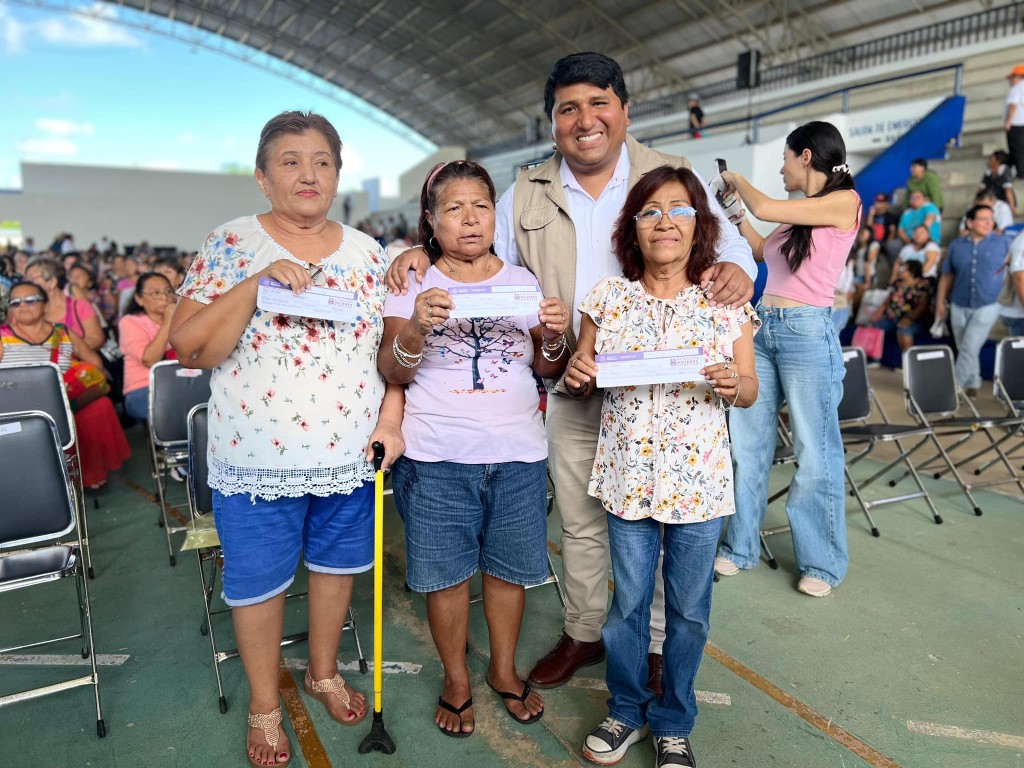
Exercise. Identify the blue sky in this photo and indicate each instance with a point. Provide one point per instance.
(89, 90)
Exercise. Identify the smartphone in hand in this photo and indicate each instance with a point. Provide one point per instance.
(721, 164)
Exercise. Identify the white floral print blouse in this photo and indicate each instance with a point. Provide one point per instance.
(294, 404)
(663, 449)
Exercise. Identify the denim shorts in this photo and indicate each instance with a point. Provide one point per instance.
(460, 517)
(262, 539)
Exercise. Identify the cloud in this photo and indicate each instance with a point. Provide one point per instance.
(12, 32)
(84, 26)
(188, 138)
(352, 163)
(58, 127)
(48, 147)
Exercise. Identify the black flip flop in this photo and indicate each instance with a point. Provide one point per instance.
(459, 734)
(521, 698)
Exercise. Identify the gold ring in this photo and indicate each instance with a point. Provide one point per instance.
(728, 366)
(735, 374)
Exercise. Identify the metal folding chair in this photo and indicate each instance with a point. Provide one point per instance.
(40, 387)
(200, 502)
(38, 512)
(933, 399)
(173, 392)
(858, 430)
(784, 454)
(1008, 387)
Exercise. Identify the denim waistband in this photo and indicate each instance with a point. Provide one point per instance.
(782, 312)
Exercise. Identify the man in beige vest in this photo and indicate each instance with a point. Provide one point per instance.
(557, 221)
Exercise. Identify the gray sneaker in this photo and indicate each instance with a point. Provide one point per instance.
(607, 744)
(674, 752)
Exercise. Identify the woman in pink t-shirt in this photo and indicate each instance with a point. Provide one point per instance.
(142, 334)
(472, 485)
(799, 361)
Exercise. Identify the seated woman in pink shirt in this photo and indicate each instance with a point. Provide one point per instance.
(143, 333)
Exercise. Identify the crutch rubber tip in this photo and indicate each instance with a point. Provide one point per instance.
(938, 520)
(378, 738)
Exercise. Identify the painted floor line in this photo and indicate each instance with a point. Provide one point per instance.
(967, 734)
(594, 684)
(840, 735)
(305, 732)
(55, 660)
(390, 667)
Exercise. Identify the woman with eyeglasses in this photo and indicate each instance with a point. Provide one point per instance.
(799, 360)
(143, 334)
(29, 337)
(663, 469)
(296, 404)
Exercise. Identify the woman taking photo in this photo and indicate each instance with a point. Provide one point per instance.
(295, 404)
(143, 334)
(28, 337)
(472, 486)
(663, 469)
(799, 362)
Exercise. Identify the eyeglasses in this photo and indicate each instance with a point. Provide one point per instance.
(317, 274)
(650, 217)
(158, 294)
(28, 300)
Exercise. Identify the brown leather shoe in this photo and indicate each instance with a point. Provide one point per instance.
(654, 674)
(565, 658)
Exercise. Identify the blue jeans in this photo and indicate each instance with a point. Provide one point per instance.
(841, 317)
(688, 572)
(136, 404)
(1014, 325)
(799, 362)
(970, 331)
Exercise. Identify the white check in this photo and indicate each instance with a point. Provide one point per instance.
(662, 366)
(322, 303)
(495, 301)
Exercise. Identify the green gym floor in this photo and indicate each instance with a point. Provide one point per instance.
(917, 660)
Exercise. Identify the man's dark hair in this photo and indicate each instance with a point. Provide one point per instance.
(920, 161)
(587, 67)
(972, 213)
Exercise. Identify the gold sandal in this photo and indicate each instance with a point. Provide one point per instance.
(268, 723)
(320, 689)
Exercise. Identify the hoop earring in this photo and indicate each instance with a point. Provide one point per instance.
(432, 242)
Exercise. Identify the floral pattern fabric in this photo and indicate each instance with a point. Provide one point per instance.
(294, 404)
(663, 449)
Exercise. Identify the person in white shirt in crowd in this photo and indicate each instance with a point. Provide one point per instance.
(1013, 121)
(1001, 210)
(922, 249)
(1012, 315)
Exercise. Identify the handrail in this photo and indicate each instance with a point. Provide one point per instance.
(755, 120)
(982, 26)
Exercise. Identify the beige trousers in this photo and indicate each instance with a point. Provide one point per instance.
(573, 427)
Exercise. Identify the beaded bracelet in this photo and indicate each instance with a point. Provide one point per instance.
(404, 357)
(549, 350)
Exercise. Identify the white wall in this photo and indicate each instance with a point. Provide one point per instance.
(165, 208)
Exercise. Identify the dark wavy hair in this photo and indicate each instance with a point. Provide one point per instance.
(134, 308)
(827, 151)
(295, 123)
(706, 235)
(433, 187)
(587, 67)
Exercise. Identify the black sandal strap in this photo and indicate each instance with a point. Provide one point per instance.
(451, 708)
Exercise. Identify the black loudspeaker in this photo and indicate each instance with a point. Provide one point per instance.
(748, 69)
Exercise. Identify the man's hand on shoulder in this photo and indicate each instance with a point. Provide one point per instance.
(397, 277)
(727, 284)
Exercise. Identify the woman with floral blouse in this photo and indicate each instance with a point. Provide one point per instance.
(664, 467)
(296, 403)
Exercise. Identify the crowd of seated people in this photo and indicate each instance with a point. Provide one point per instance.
(68, 305)
(915, 286)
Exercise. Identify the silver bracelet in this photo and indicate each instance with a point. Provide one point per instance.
(549, 350)
(404, 357)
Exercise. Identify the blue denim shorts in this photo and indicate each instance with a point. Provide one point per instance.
(262, 540)
(460, 517)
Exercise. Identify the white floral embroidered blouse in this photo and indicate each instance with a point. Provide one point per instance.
(663, 449)
(294, 404)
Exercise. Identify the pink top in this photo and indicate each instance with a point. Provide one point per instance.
(76, 312)
(474, 399)
(816, 280)
(135, 332)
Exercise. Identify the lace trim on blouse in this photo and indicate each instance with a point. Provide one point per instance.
(270, 484)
